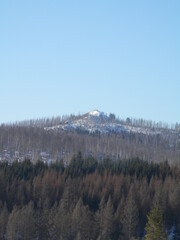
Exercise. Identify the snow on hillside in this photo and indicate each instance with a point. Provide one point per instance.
(98, 122)
(95, 113)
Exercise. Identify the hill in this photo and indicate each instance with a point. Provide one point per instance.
(94, 133)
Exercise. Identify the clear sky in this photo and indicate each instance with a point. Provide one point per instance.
(62, 57)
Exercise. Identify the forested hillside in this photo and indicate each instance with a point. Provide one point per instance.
(89, 199)
(94, 134)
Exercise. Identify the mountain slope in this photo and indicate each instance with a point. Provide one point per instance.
(103, 135)
(98, 122)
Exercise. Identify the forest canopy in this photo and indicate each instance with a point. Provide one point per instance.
(88, 199)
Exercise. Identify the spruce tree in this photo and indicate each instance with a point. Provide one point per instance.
(3, 220)
(154, 227)
(130, 217)
(108, 221)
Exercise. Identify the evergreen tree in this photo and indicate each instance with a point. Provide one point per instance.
(52, 228)
(3, 221)
(130, 217)
(100, 217)
(154, 227)
(13, 226)
(108, 221)
(81, 221)
(41, 220)
(62, 221)
(27, 226)
(105, 219)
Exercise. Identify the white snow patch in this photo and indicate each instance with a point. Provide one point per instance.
(95, 113)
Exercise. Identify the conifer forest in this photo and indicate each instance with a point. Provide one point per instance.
(89, 199)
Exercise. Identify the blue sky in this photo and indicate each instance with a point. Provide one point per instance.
(63, 57)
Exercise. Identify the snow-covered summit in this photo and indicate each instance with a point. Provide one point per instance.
(95, 113)
(93, 121)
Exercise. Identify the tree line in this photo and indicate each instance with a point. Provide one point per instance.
(89, 199)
